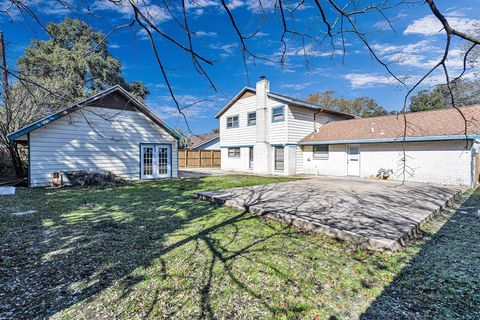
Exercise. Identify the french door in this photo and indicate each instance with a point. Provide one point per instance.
(155, 161)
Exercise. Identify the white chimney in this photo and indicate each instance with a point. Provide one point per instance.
(262, 89)
(262, 149)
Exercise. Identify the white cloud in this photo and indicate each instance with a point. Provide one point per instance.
(205, 34)
(228, 49)
(257, 6)
(423, 54)
(234, 4)
(296, 86)
(121, 7)
(414, 54)
(310, 51)
(200, 3)
(261, 34)
(152, 11)
(366, 80)
(430, 26)
(46, 7)
(142, 34)
(198, 107)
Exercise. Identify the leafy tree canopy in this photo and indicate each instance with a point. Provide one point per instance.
(363, 106)
(73, 63)
(465, 92)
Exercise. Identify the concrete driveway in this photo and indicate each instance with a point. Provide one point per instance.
(381, 215)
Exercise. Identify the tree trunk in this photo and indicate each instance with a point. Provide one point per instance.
(17, 162)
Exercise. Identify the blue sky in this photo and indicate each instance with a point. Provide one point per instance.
(410, 50)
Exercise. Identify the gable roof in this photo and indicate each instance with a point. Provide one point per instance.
(285, 99)
(94, 100)
(444, 124)
(201, 139)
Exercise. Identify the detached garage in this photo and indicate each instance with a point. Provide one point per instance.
(110, 131)
(438, 146)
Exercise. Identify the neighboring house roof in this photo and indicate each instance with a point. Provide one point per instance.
(284, 99)
(444, 124)
(93, 100)
(199, 140)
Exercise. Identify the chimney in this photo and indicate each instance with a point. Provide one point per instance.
(262, 149)
(262, 89)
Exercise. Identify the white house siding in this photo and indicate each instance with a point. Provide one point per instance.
(301, 124)
(299, 161)
(277, 131)
(70, 143)
(235, 164)
(444, 162)
(335, 165)
(245, 136)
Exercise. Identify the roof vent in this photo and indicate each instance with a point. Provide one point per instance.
(372, 130)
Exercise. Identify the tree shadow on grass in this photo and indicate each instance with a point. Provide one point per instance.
(83, 241)
(150, 250)
(442, 281)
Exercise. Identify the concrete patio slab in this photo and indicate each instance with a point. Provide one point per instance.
(381, 215)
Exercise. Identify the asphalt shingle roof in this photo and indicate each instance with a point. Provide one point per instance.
(444, 122)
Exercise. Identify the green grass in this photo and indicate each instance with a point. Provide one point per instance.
(149, 249)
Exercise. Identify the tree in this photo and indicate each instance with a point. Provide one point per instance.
(364, 106)
(184, 141)
(426, 100)
(72, 64)
(465, 92)
(337, 23)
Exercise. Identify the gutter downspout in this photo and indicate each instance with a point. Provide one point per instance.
(315, 119)
(475, 181)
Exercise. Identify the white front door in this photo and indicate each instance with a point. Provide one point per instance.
(353, 160)
(155, 161)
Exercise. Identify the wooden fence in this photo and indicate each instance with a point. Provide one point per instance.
(199, 158)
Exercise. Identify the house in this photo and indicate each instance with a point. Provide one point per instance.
(208, 141)
(260, 130)
(269, 133)
(438, 146)
(109, 131)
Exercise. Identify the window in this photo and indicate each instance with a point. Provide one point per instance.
(234, 152)
(320, 152)
(279, 158)
(251, 118)
(232, 122)
(278, 114)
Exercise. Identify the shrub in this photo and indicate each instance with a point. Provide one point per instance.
(93, 178)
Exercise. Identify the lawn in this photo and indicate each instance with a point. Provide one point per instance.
(149, 249)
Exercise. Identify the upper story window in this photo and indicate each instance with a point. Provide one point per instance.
(278, 114)
(320, 152)
(252, 118)
(232, 122)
